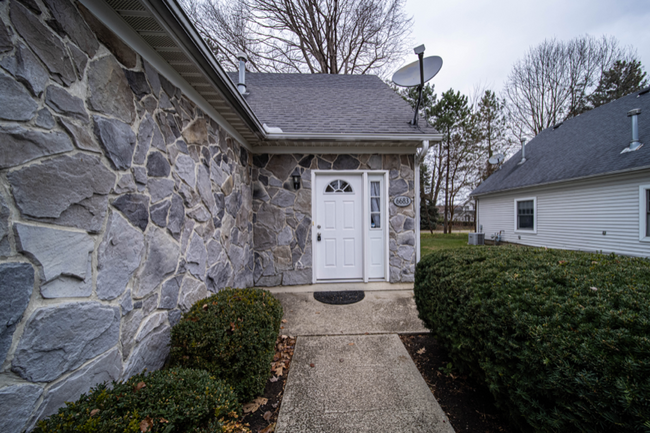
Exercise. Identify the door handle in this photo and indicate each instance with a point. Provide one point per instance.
(318, 237)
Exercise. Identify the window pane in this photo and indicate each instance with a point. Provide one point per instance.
(375, 220)
(374, 189)
(338, 186)
(525, 214)
(374, 204)
(526, 222)
(647, 207)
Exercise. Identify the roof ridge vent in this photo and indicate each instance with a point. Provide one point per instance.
(644, 91)
(635, 144)
(557, 125)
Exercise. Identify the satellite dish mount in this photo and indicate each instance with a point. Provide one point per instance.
(416, 74)
(420, 52)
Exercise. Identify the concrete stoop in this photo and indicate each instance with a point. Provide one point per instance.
(350, 371)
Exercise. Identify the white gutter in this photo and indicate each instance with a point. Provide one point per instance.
(180, 15)
(553, 182)
(352, 137)
(117, 25)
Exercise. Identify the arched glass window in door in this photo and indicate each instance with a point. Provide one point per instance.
(338, 186)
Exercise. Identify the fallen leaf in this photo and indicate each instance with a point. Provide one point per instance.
(317, 312)
(232, 326)
(267, 415)
(139, 386)
(269, 429)
(278, 370)
(312, 365)
(351, 344)
(254, 405)
(594, 288)
(250, 407)
(205, 307)
(146, 424)
(94, 412)
(274, 379)
(281, 327)
(164, 420)
(421, 351)
(284, 337)
(284, 320)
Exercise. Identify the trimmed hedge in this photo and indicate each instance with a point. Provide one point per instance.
(232, 335)
(561, 338)
(175, 400)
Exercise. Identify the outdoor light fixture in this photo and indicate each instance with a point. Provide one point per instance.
(296, 181)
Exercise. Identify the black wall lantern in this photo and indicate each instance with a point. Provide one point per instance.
(296, 181)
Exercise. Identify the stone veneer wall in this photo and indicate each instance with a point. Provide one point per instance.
(121, 204)
(283, 218)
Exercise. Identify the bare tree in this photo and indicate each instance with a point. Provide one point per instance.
(316, 36)
(553, 80)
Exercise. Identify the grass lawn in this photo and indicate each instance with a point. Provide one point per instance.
(439, 241)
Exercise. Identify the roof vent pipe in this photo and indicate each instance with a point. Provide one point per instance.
(635, 144)
(523, 151)
(241, 86)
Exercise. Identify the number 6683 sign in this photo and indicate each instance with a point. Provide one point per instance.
(402, 201)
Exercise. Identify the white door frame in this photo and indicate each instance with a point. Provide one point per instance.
(365, 217)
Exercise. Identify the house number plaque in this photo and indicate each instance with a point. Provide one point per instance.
(402, 201)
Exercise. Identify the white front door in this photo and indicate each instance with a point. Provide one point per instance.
(339, 227)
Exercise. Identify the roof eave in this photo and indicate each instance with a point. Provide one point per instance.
(291, 136)
(573, 179)
(171, 15)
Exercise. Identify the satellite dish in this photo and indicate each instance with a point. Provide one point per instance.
(424, 69)
(496, 159)
(409, 75)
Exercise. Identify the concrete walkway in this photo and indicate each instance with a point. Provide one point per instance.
(350, 371)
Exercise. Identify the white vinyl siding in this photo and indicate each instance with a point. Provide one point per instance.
(574, 215)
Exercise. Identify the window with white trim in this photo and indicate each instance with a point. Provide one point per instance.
(526, 215)
(644, 213)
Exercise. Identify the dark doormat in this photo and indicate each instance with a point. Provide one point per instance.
(339, 298)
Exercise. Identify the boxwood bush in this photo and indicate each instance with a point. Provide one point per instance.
(174, 400)
(561, 338)
(232, 335)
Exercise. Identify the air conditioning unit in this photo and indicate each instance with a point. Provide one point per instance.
(476, 239)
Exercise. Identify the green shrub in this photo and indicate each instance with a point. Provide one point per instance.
(175, 400)
(561, 338)
(232, 335)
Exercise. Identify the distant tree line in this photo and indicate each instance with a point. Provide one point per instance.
(553, 82)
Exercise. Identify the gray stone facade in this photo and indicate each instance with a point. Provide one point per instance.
(283, 216)
(121, 204)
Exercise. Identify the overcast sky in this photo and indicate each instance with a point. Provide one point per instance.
(479, 41)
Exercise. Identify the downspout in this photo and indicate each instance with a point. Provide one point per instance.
(418, 159)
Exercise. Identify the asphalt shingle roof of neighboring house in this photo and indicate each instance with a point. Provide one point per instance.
(586, 145)
(324, 103)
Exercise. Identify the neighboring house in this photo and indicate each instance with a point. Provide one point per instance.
(576, 190)
(463, 213)
(136, 179)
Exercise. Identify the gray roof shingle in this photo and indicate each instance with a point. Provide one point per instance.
(587, 145)
(324, 103)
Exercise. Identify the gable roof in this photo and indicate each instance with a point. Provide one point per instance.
(329, 104)
(584, 146)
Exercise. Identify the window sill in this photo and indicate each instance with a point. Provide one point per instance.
(526, 232)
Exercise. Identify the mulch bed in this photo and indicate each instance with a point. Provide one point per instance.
(261, 414)
(468, 404)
